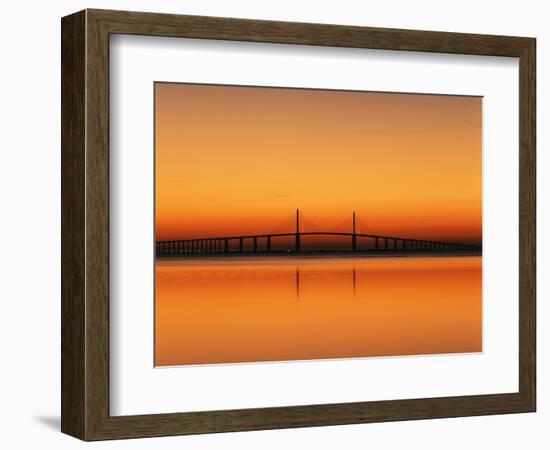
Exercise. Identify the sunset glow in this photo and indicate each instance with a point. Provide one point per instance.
(237, 163)
(239, 160)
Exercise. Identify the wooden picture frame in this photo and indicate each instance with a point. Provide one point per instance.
(85, 224)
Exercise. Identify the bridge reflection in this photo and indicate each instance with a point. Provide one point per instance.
(353, 279)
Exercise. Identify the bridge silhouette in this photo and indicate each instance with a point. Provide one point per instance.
(262, 243)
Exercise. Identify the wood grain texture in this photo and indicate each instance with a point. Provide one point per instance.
(85, 224)
(73, 226)
(527, 224)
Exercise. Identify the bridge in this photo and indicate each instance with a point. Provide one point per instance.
(262, 243)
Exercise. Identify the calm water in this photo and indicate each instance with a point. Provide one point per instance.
(282, 308)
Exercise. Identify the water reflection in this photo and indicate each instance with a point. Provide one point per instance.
(267, 309)
(353, 278)
(297, 282)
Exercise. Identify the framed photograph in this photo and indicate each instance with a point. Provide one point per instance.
(272, 225)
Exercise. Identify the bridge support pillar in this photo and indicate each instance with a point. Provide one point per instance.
(353, 243)
(255, 244)
(386, 244)
(376, 243)
(241, 245)
(297, 246)
(269, 243)
(226, 245)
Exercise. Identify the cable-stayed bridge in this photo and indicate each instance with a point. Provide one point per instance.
(263, 243)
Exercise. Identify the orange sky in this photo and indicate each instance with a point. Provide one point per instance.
(239, 160)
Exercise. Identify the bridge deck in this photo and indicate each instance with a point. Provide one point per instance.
(220, 244)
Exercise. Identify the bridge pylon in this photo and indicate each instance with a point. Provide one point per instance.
(353, 234)
(297, 245)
